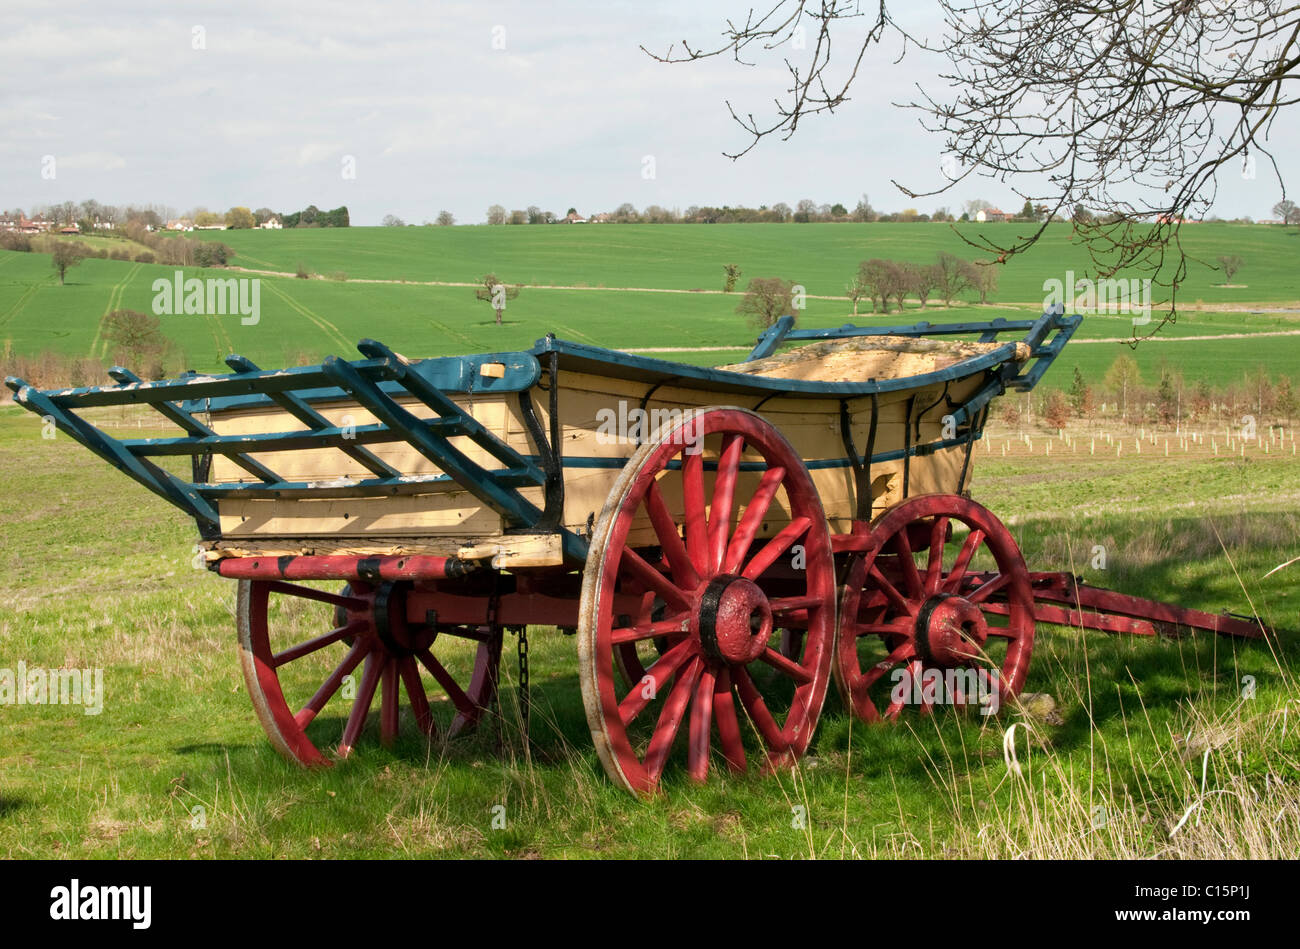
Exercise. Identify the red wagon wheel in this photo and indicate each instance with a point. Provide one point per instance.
(294, 671)
(723, 593)
(917, 628)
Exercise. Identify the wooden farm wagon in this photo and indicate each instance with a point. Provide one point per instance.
(723, 541)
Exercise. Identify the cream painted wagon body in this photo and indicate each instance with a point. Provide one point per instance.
(723, 541)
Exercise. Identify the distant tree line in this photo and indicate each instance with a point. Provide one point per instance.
(1169, 400)
(312, 216)
(882, 282)
(92, 216)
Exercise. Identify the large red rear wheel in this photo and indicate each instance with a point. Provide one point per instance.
(702, 603)
(296, 673)
(915, 627)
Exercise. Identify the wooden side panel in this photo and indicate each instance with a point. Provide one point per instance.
(599, 418)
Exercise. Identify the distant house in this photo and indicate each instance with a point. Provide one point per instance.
(992, 214)
(208, 227)
(180, 224)
(35, 226)
(600, 218)
(70, 229)
(103, 225)
(271, 224)
(573, 217)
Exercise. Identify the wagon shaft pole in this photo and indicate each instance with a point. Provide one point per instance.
(1066, 600)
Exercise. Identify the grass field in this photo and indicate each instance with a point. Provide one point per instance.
(1163, 750)
(99, 575)
(306, 319)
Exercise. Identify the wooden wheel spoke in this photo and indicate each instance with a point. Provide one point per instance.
(635, 566)
(789, 604)
(670, 718)
(934, 566)
(670, 541)
(320, 596)
(762, 719)
(907, 563)
(901, 625)
(775, 547)
(693, 504)
(643, 693)
(361, 705)
(415, 692)
(388, 704)
(320, 642)
(697, 756)
(958, 573)
(903, 652)
(787, 667)
(989, 587)
(752, 519)
(914, 669)
(672, 626)
(890, 591)
(463, 703)
(331, 685)
(724, 713)
(1002, 632)
(724, 499)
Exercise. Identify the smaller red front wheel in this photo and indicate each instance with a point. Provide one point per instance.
(938, 611)
(306, 651)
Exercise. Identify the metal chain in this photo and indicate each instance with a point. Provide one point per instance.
(522, 632)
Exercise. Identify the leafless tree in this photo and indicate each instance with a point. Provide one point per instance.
(492, 290)
(982, 277)
(1229, 264)
(922, 279)
(951, 273)
(1129, 108)
(857, 289)
(66, 254)
(766, 300)
(877, 276)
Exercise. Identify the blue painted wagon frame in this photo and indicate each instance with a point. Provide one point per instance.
(379, 380)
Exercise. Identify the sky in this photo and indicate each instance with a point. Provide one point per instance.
(410, 108)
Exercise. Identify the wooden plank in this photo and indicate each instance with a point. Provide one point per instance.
(517, 550)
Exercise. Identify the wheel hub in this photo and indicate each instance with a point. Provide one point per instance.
(733, 621)
(399, 637)
(950, 630)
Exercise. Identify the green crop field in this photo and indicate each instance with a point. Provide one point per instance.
(306, 319)
(1168, 747)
